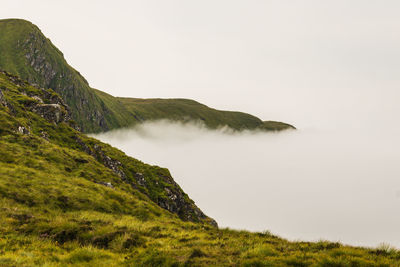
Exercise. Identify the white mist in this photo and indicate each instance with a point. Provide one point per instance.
(309, 185)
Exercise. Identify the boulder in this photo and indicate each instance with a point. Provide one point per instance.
(23, 130)
(52, 112)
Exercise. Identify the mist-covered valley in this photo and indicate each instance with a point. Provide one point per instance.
(304, 184)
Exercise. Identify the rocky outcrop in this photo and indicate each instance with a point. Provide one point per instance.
(139, 177)
(51, 71)
(47, 104)
(110, 163)
(108, 184)
(36, 58)
(14, 79)
(23, 130)
(44, 102)
(52, 112)
(100, 156)
(177, 202)
(3, 101)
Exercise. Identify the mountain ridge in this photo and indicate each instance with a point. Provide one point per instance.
(26, 52)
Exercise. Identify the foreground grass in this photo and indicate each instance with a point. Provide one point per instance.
(88, 238)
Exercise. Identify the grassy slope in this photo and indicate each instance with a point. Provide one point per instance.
(176, 109)
(190, 110)
(55, 212)
(26, 52)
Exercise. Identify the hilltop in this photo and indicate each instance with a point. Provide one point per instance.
(26, 52)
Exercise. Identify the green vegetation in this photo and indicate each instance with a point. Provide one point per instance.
(190, 110)
(26, 52)
(67, 199)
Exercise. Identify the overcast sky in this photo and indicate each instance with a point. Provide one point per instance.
(315, 64)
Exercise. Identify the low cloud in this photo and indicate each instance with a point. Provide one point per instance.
(335, 185)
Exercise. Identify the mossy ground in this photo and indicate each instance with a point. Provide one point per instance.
(89, 238)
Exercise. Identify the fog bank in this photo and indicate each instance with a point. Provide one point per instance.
(310, 185)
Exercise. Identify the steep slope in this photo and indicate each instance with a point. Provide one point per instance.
(26, 52)
(36, 129)
(67, 199)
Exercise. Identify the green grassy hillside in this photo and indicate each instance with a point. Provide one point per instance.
(190, 110)
(187, 110)
(67, 199)
(37, 133)
(26, 52)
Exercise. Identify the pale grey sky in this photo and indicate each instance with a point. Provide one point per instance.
(313, 63)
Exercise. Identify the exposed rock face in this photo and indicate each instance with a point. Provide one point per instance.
(140, 179)
(52, 72)
(56, 111)
(52, 112)
(84, 146)
(36, 59)
(3, 101)
(99, 155)
(110, 163)
(15, 79)
(177, 202)
(46, 103)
